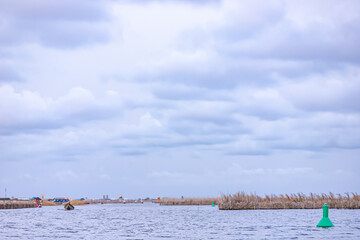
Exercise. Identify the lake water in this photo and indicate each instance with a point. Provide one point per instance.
(151, 221)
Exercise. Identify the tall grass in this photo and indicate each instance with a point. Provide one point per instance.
(49, 203)
(78, 202)
(188, 201)
(242, 200)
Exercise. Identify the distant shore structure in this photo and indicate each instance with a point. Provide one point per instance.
(61, 200)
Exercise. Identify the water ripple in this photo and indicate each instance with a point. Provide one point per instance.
(150, 221)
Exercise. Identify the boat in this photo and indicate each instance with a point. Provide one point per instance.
(68, 206)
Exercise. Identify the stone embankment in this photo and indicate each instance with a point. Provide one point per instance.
(14, 204)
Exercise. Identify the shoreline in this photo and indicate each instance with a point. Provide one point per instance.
(238, 201)
(244, 201)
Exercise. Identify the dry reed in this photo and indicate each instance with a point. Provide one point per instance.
(78, 202)
(242, 200)
(188, 201)
(49, 203)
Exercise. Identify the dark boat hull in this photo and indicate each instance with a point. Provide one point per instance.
(68, 206)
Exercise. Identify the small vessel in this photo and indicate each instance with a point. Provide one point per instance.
(38, 201)
(68, 206)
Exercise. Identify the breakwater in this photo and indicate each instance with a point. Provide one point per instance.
(242, 200)
(14, 204)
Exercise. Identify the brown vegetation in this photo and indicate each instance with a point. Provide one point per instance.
(14, 204)
(78, 202)
(48, 203)
(243, 200)
(188, 201)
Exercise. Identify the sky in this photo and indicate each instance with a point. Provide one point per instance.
(179, 98)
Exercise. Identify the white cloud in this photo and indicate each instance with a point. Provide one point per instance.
(332, 91)
(148, 121)
(236, 170)
(28, 110)
(249, 90)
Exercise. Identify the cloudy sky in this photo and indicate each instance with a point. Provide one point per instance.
(179, 98)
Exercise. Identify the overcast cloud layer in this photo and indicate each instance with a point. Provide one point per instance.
(172, 98)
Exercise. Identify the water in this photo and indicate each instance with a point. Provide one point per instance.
(151, 221)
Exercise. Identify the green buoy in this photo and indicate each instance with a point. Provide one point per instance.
(325, 221)
(213, 205)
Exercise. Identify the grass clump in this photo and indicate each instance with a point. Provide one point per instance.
(188, 201)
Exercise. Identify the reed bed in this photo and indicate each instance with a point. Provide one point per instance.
(49, 203)
(14, 204)
(188, 201)
(242, 200)
(78, 202)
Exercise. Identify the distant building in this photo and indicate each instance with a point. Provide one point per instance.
(61, 200)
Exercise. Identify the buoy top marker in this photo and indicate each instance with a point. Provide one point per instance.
(325, 221)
